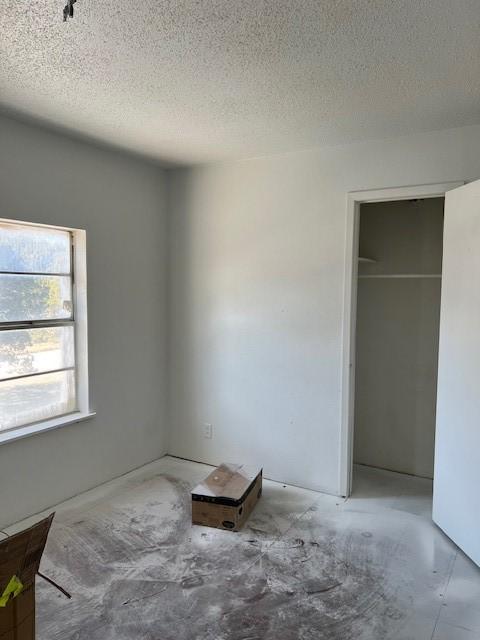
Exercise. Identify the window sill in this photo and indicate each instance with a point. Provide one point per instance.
(46, 425)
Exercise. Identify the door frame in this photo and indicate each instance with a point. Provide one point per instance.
(354, 200)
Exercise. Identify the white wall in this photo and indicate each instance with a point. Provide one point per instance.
(120, 201)
(397, 335)
(257, 263)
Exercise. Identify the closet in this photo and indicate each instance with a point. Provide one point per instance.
(397, 328)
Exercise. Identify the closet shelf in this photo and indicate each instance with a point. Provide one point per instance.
(400, 275)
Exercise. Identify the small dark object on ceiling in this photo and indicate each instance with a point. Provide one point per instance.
(68, 10)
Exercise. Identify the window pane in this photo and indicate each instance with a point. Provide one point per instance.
(34, 249)
(34, 298)
(38, 398)
(26, 351)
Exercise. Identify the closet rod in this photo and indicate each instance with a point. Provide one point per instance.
(401, 275)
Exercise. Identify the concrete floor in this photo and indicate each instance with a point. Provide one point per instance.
(307, 566)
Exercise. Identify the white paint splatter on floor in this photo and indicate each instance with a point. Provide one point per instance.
(306, 567)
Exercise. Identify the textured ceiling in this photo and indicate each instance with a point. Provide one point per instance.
(200, 80)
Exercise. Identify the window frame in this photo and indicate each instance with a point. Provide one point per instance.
(78, 320)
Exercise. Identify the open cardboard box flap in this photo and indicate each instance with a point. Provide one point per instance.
(228, 481)
(20, 557)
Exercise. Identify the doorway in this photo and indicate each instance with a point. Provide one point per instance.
(397, 329)
(405, 260)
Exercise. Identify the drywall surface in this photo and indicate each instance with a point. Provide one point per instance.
(257, 286)
(120, 202)
(397, 335)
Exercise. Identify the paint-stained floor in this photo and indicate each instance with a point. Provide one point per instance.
(306, 567)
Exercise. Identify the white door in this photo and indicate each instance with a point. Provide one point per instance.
(456, 494)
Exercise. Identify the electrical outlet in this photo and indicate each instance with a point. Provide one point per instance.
(207, 430)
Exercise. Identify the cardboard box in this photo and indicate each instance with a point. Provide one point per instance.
(20, 557)
(226, 498)
(17, 619)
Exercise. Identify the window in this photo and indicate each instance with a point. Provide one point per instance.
(43, 348)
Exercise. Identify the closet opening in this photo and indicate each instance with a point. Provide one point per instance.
(400, 246)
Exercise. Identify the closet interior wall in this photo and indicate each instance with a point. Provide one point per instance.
(398, 309)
